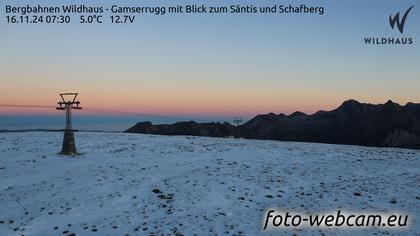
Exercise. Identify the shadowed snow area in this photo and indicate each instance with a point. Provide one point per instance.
(159, 185)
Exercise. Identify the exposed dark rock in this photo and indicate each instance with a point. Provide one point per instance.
(355, 123)
(156, 190)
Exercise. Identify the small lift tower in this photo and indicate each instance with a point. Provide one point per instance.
(67, 103)
(237, 121)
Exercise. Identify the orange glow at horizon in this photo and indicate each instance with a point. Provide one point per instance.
(204, 98)
(175, 102)
(181, 104)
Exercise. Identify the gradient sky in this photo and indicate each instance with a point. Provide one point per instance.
(214, 65)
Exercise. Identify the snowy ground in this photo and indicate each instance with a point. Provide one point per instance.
(202, 186)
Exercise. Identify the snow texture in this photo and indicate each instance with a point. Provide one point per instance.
(133, 184)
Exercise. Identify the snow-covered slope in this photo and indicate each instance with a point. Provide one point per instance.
(151, 185)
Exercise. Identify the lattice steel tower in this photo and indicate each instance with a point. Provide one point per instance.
(69, 145)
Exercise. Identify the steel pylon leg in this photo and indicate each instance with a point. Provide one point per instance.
(69, 145)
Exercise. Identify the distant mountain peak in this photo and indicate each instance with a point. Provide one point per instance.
(350, 105)
(297, 114)
(391, 103)
(351, 102)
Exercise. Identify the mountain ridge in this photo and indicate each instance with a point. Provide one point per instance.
(354, 123)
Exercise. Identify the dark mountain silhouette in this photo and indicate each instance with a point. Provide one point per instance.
(185, 128)
(382, 125)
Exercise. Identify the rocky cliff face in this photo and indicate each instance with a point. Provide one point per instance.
(385, 125)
